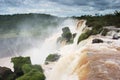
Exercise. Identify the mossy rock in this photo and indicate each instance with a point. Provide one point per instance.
(84, 36)
(32, 75)
(18, 63)
(95, 30)
(28, 67)
(52, 58)
(65, 29)
(66, 33)
(66, 36)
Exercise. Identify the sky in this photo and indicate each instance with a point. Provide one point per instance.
(59, 7)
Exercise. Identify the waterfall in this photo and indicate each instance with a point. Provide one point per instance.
(63, 69)
(79, 28)
(39, 54)
(88, 61)
(83, 61)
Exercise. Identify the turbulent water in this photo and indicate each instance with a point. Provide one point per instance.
(83, 61)
(87, 61)
(64, 68)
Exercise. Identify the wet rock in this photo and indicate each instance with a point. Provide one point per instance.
(66, 33)
(18, 63)
(66, 37)
(74, 35)
(65, 29)
(6, 74)
(97, 41)
(116, 36)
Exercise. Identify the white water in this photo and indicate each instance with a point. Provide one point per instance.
(38, 54)
(66, 68)
(63, 70)
(79, 30)
(70, 54)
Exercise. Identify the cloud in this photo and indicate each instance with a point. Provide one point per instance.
(98, 4)
(59, 7)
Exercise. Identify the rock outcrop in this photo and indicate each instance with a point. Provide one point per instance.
(66, 37)
(18, 63)
(97, 41)
(6, 74)
(52, 58)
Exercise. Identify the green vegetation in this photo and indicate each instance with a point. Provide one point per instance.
(28, 67)
(36, 24)
(18, 63)
(32, 75)
(84, 36)
(95, 30)
(105, 31)
(103, 20)
(98, 22)
(24, 70)
(67, 36)
(52, 58)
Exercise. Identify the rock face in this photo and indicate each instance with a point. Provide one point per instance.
(116, 36)
(97, 41)
(6, 74)
(66, 37)
(24, 70)
(32, 75)
(66, 34)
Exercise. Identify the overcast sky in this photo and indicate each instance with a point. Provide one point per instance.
(59, 7)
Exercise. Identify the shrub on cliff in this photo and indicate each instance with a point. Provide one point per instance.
(97, 29)
(18, 63)
(84, 36)
(28, 67)
(32, 75)
(105, 31)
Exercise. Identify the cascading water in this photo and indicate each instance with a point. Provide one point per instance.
(88, 61)
(74, 62)
(80, 27)
(63, 69)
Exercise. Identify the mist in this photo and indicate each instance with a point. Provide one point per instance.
(34, 38)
